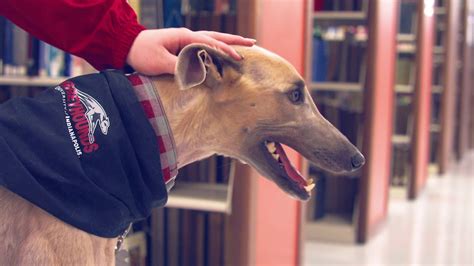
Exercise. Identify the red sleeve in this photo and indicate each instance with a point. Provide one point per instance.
(100, 31)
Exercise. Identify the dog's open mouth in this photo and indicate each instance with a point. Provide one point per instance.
(280, 163)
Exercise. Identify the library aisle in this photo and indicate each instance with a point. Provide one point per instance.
(436, 229)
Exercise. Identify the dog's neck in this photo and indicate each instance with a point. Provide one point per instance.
(185, 115)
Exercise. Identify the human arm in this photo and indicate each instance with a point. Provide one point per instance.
(107, 35)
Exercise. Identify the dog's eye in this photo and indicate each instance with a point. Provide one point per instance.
(296, 96)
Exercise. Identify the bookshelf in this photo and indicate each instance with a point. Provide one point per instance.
(464, 83)
(412, 92)
(356, 100)
(468, 74)
(437, 86)
(26, 81)
(448, 42)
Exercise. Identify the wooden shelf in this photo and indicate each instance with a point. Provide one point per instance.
(31, 81)
(406, 48)
(440, 11)
(331, 228)
(435, 128)
(406, 37)
(200, 196)
(203, 196)
(438, 89)
(336, 86)
(438, 59)
(342, 38)
(438, 50)
(401, 140)
(340, 17)
(403, 88)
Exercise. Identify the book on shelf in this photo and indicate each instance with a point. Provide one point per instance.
(172, 14)
(149, 14)
(217, 15)
(319, 196)
(20, 51)
(3, 22)
(400, 168)
(338, 5)
(406, 70)
(157, 247)
(403, 115)
(339, 54)
(408, 17)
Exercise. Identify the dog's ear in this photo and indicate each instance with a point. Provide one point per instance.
(200, 64)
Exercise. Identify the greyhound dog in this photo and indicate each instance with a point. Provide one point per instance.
(242, 109)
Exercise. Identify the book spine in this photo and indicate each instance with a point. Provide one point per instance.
(172, 14)
(56, 62)
(8, 50)
(67, 65)
(33, 56)
(20, 51)
(149, 14)
(43, 59)
(2, 41)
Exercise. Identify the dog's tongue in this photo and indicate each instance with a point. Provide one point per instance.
(290, 170)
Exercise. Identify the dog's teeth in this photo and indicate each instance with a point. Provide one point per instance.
(309, 187)
(271, 147)
(276, 156)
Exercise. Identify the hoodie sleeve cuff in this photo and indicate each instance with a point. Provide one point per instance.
(124, 44)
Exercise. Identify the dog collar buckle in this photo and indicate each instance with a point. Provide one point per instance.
(121, 238)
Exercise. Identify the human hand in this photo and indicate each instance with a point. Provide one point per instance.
(153, 52)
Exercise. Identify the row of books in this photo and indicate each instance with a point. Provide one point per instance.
(333, 196)
(22, 54)
(403, 122)
(408, 17)
(218, 15)
(339, 54)
(436, 108)
(403, 125)
(339, 5)
(400, 168)
(406, 70)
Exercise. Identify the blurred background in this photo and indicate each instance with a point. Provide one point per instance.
(395, 76)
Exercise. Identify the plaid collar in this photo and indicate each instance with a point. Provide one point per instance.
(151, 104)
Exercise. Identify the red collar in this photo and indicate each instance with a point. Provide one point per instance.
(151, 104)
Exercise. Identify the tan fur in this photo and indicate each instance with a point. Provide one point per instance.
(250, 100)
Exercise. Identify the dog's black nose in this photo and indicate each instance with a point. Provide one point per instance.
(357, 160)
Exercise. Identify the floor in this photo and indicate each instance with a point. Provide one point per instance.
(436, 229)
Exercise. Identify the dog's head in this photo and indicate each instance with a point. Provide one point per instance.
(259, 103)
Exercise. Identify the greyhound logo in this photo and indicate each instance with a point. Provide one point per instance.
(83, 114)
(95, 115)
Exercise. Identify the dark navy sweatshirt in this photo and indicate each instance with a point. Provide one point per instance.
(84, 152)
